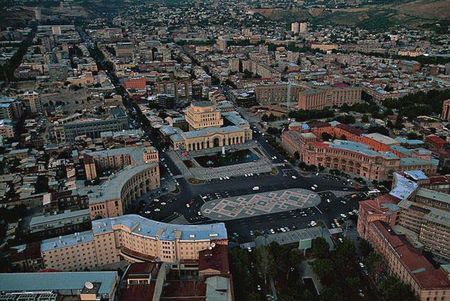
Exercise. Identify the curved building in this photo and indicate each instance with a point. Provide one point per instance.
(113, 196)
(139, 173)
(132, 238)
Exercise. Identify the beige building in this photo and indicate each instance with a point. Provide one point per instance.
(132, 238)
(114, 195)
(320, 98)
(203, 114)
(118, 158)
(277, 93)
(207, 130)
(426, 213)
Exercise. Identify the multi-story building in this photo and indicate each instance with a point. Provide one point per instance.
(67, 129)
(426, 212)
(320, 98)
(113, 196)
(52, 286)
(10, 108)
(118, 158)
(277, 93)
(203, 114)
(446, 110)
(32, 101)
(7, 129)
(208, 128)
(406, 221)
(372, 156)
(405, 262)
(133, 238)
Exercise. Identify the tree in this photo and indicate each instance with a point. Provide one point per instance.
(326, 136)
(296, 156)
(264, 262)
(320, 247)
(365, 118)
(393, 290)
(365, 248)
(324, 268)
(346, 119)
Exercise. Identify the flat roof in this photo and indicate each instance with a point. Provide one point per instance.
(150, 228)
(67, 215)
(360, 148)
(111, 188)
(56, 281)
(66, 241)
(382, 138)
(434, 195)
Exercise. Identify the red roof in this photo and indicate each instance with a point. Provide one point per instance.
(216, 259)
(378, 204)
(340, 85)
(423, 272)
(350, 129)
(435, 140)
(138, 292)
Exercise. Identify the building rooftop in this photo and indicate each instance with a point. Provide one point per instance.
(66, 241)
(112, 188)
(150, 228)
(382, 138)
(58, 220)
(402, 188)
(360, 148)
(416, 264)
(57, 281)
(433, 195)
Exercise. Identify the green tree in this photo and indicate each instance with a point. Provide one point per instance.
(264, 262)
(320, 247)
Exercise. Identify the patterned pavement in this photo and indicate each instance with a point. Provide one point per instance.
(250, 205)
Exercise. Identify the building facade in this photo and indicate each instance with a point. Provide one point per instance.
(446, 110)
(133, 238)
(320, 98)
(412, 268)
(209, 127)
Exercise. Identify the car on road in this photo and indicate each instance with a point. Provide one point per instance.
(343, 215)
(256, 188)
(294, 177)
(312, 223)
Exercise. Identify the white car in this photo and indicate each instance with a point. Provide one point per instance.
(312, 223)
(328, 201)
(313, 188)
(294, 177)
(256, 188)
(343, 215)
(157, 210)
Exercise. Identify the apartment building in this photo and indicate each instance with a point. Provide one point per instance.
(328, 96)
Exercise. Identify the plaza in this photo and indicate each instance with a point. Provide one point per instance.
(250, 205)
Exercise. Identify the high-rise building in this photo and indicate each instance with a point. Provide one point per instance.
(303, 27)
(446, 110)
(295, 27)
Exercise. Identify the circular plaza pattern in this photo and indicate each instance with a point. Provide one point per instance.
(250, 205)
